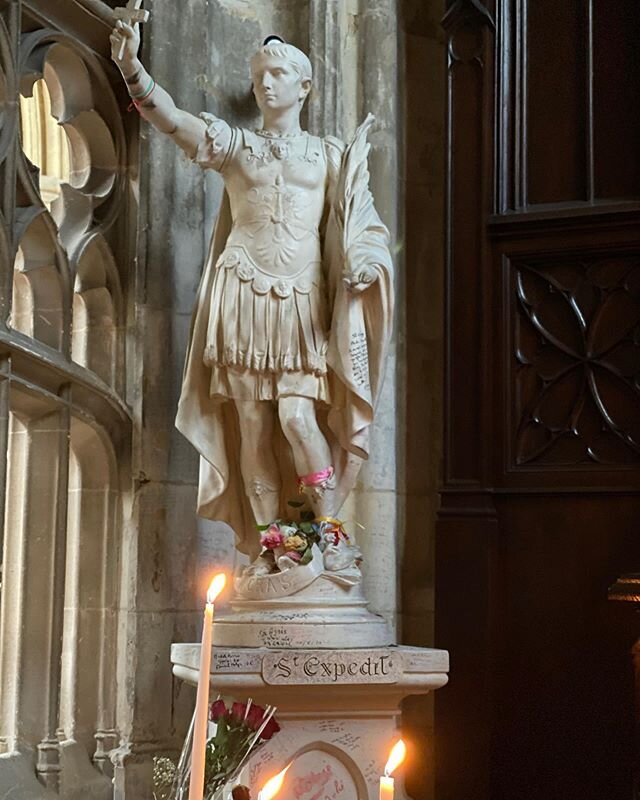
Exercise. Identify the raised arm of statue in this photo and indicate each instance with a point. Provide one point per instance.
(156, 105)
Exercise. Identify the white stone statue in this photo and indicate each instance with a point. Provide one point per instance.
(294, 312)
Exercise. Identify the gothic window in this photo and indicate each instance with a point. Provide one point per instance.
(64, 424)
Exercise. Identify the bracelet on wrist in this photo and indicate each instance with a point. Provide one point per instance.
(143, 95)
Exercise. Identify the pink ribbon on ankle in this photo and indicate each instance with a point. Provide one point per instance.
(315, 478)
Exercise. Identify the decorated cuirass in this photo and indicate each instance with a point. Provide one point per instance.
(276, 189)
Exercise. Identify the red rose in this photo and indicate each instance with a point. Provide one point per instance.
(237, 712)
(270, 729)
(217, 710)
(255, 717)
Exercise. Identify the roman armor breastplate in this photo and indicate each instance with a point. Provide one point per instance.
(276, 189)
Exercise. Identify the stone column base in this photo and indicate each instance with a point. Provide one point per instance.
(338, 709)
(18, 778)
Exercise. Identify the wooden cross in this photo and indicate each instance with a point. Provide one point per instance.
(132, 15)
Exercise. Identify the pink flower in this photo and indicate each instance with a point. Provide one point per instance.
(294, 555)
(217, 710)
(272, 537)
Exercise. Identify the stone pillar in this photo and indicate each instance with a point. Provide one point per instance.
(325, 104)
(377, 504)
(87, 701)
(33, 589)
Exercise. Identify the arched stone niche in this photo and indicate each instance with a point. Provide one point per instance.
(87, 702)
(39, 283)
(79, 99)
(63, 515)
(44, 142)
(79, 114)
(97, 305)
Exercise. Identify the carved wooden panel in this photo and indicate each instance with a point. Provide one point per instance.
(576, 360)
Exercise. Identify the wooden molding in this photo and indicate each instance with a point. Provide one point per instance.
(467, 12)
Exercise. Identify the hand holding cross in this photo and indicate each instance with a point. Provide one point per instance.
(132, 14)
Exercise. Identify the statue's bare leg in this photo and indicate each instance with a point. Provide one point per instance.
(311, 453)
(258, 464)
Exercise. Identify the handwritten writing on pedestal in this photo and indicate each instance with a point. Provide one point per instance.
(230, 661)
(348, 741)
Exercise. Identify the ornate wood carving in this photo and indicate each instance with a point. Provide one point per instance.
(577, 360)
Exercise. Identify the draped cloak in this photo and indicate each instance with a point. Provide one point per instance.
(359, 335)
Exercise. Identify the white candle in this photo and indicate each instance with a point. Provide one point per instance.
(196, 779)
(386, 787)
(396, 757)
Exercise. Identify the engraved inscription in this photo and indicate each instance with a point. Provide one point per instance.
(330, 667)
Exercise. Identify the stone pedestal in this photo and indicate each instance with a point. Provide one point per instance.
(338, 709)
(323, 614)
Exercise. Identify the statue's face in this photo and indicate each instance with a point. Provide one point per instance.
(277, 84)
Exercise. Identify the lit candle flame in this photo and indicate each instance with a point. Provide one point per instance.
(396, 757)
(273, 785)
(217, 585)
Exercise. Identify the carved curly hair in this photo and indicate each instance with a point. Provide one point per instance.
(276, 46)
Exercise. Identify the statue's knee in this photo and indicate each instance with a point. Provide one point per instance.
(257, 488)
(295, 423)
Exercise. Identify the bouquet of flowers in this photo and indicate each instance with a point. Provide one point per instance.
(241, 729)
(287, 543)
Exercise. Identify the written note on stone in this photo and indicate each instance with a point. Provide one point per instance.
(359, 356)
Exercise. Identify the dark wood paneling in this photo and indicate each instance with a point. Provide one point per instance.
(469, 82)
(565, 717)
(541, 490)
(554, 84)
(617, 98)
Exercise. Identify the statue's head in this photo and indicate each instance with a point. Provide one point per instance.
(281, 75)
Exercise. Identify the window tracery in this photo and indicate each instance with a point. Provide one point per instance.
(62, 409)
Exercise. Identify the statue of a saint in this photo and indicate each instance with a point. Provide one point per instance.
(294, 311)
